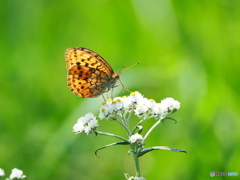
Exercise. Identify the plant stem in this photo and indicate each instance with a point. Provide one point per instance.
(113, 135)
(125, 127)
(150, 130)
(129, 117)
(140, 122)
(136, 162)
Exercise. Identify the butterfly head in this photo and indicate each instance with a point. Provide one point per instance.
(116, 76)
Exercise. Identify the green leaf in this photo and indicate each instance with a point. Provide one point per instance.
(112, 144)
(144, 151)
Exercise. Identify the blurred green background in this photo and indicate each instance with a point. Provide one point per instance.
(188, 50)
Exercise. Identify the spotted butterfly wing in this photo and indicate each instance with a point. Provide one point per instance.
(89, 75)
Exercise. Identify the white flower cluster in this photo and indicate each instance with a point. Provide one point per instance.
(136, 137)
(143, 107)
(16, 174)
(86, 124)
(119, 107)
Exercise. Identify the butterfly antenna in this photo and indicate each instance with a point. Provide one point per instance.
(121, 69)
(124, 69)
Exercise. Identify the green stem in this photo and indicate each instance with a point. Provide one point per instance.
(151, 129)
(125, 127)
(134, 129)
(129, 117)
(136, 162)
(113, 135)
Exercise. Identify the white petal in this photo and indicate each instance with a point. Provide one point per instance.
(16, 173)
(2, 172)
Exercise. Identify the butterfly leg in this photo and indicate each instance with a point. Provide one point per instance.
(123, 86)
(103, 98)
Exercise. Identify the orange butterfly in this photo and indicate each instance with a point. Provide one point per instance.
(89, 75)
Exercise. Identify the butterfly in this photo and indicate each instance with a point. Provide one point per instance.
(89, 75)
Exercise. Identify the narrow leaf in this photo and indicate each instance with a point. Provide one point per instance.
(144, 151)
(112, 144)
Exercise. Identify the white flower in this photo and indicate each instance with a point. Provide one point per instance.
(17, 173)
(135, 97)
(86, 124)
(171, 104)
(2, 172)
(136, 178)
(143, 106)
(78, 127)
(146, 102)
(136, 137)
(106, 109)
(167, 106)
(140, 111)
(127, 103)
(150, 103)
(159, 111)
(117, 104)
(103, 114)
(109, 108)
(140, 178)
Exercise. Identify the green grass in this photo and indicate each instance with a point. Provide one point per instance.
(188, 50)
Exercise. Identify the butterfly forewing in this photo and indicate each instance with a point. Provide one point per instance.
(89, 75)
